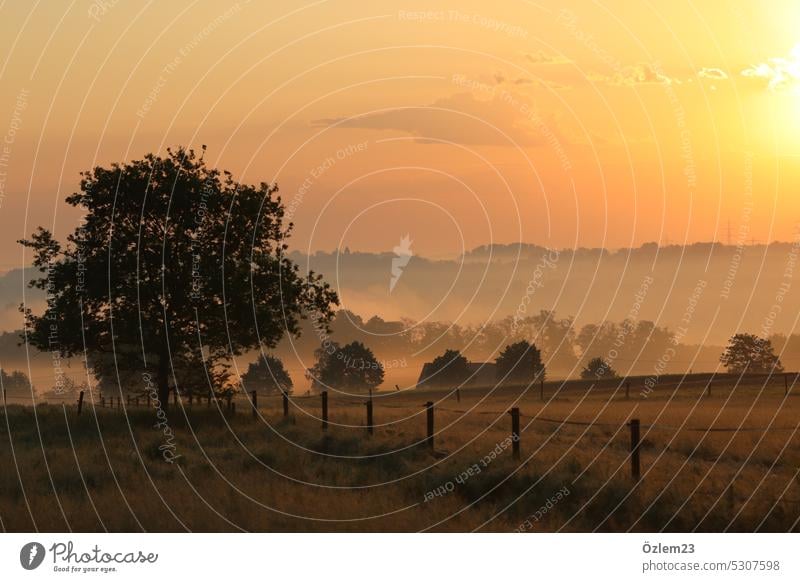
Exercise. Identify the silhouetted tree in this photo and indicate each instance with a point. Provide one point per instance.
(448, 369)
(520, 362)
(352, 367)
(750, 353)
(598, 368)
(17, 386)
(174, 263)
(267, 374)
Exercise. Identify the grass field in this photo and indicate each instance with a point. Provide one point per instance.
(106, 470)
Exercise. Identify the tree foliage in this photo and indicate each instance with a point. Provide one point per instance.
(267, 374)
(449, 369)
(520, 362)
(598, 369)
(748, 353)
(175, 268)
(350, 368)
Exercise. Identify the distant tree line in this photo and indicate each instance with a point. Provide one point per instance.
(632, 347)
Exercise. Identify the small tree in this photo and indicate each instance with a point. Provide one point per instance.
(451, 368)
(352, 367)
(520, 362)
(749, 353)
(598, 368)
(267, 374)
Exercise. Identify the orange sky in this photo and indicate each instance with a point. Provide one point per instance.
(460, 123)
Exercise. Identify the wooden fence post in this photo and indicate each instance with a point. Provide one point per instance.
(285, 403)
(515, 432)
(370, 428)
(635, 465)
(254, 399)
(541, 389)
(208, 400)
(80, 402)
(324, 410)
(128, 399)
(458, 395)
(175, 396)
(103, 401)
(119, 402)
(429, 409)
(627, 389)
(136, 401)
(786, 384)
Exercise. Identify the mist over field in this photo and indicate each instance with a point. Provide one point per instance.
(701, 294)
(741, 285)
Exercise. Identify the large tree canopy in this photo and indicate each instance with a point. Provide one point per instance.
(174, 263)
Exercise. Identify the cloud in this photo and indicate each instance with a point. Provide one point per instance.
(778, 74)
(501, 79)
(542, 58)
(642, 74)
(712, 73)
(460, 118)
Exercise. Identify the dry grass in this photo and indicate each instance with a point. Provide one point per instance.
(104, 471)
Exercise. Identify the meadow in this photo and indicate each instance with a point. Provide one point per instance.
(204, 468)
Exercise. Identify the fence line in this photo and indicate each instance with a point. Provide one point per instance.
(515, 434)
(133, 402)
